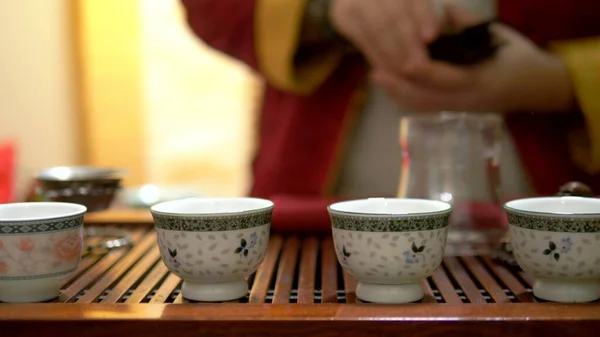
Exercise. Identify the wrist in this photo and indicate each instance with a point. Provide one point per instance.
(545, 87)
(316, 26)
(562, 89)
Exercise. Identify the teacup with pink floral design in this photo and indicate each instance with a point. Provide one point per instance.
(40, 246)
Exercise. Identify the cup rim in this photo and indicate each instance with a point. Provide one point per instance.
(447, 208)
(510, 207)
(77, 209)
(155, 209)
(79, 173)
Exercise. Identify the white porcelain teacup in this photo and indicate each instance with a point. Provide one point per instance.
(213, 243)
(390, 245)
(40, 247)
(557, 241)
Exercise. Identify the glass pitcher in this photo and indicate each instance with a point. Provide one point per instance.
(455, 157)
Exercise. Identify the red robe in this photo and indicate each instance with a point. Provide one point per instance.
(302, 137)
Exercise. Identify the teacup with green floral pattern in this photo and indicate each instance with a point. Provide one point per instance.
(557, 241)
(390, 245)
(213, 244)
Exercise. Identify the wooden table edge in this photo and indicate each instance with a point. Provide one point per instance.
(526, 312)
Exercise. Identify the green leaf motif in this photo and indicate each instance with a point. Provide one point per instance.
(346, 254)
(547, 252)
(245, 252)
(243, 243)
(552, 245)
(556, 256)
(238, 250)
(173, 252)
(421, 249)
(414, 248)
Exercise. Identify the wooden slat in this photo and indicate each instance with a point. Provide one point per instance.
(429, 297)
(85, 263)
(485, 279)
(445, 286)
(179, 299)
(510, 280)
(286, 270)
(132, 276)
(143, 289)
(97, 270)
(328, 272)
(265, 271)
(527, 278)
(121, 216)
(464, 280)
(166, 289)
(308, 268)
(118, 269)
(350, 284)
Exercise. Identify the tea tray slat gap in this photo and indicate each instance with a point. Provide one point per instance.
(168, 287)
(122, 266)
(485, 279)
(464, 280)
(512, 282)
(154, 277)
(96, 270)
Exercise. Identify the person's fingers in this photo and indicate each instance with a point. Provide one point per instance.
(441, 75)
(388, 43)
(407, 30)
(379, 46)
(419, 98)
(457, 17)
(390, 38)
(425, 15)
(355, 24)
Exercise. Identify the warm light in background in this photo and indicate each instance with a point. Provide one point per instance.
(188, 117)
(198, 106)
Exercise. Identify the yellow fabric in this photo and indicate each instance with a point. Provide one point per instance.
(278, 24)
(582, 58)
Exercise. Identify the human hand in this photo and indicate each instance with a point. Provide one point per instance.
(520, 77)
(392, 34)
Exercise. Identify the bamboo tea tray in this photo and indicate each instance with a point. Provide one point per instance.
(299, 290)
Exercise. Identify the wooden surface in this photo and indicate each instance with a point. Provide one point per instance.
(119, 216)
(299, 289)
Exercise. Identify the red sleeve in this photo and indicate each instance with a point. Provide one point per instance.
(226, 25)
(302, 214)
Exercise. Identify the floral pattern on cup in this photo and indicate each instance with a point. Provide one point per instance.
(415, 254)
(565, 247)
(211, 256)
(384, 257)
(557, 255)
(35, 256)
(345, 256)
(244, 247)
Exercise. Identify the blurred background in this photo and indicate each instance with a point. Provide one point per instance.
(120, 84)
